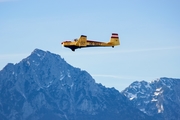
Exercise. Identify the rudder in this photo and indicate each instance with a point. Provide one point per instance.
(115, 39)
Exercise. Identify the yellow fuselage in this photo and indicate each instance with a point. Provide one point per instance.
(83, 42)
(86, 44)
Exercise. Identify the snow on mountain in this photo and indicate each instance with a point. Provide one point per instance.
(159, 98)
(44, 86)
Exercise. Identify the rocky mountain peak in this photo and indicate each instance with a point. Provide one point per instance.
(44, 86)
(158, 98)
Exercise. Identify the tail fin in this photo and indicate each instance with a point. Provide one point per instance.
(115, 39)
(82, 41)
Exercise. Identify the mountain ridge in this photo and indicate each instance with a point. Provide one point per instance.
(158, 98)
(44, 86)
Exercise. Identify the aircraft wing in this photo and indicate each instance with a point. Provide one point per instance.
(82, 41)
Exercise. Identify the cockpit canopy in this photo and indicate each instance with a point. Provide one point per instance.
(75, 39)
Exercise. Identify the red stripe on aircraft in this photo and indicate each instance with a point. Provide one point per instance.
(114, 37)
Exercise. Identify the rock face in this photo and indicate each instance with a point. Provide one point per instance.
(43, 86)
(159, 98)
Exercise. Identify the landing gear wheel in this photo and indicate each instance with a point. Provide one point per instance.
(73, 50)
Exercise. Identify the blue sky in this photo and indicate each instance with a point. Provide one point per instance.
(149, 33)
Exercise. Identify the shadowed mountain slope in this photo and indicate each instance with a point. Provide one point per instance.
(44, 86)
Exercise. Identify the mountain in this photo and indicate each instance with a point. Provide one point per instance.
(159, 98)
(44, 86)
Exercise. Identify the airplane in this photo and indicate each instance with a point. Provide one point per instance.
(82, 42)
